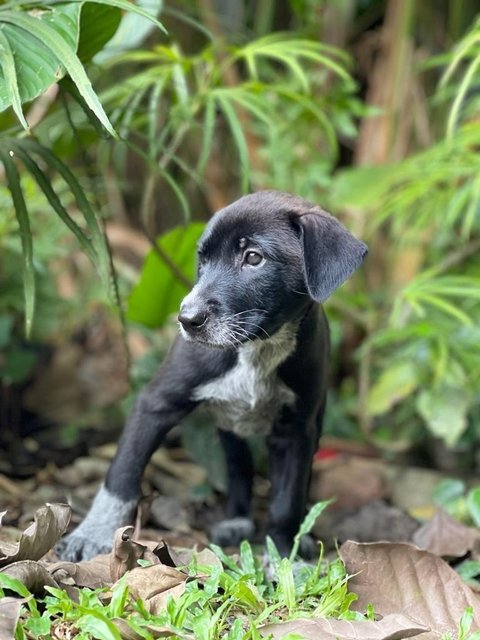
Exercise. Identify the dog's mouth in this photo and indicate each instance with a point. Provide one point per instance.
(227, 331)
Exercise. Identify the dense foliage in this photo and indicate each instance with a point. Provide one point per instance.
(369, 108)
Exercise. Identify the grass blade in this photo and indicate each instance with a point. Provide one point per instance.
(238, 136)
(15, 188)
(98, 239)
(44, 184)
(286, 583)
(307, 525)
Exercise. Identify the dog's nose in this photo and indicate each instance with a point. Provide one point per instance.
(192, 319)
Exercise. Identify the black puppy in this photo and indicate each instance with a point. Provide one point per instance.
(254, 346)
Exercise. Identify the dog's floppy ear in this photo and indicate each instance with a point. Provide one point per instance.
(331, 253)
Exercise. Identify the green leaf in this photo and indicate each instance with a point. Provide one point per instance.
(444, 409)
(134, 28)
(61, 49)
(15, 187)
(119, 598)
(6, 326)
(238, 135)
(102, 259)
(98, 24)
(7, 62)
(7, 582)
(38, 626)
(98, 626)
(159, 292)
(44, 184)
(247, 560)
(361, 187)
(308, 524)
(394, 384)
(473, 504)
(17, 365)
(36, 66)
(448, 491)
(286, 583)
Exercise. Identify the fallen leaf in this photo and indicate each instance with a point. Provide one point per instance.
(94, 573)
(445, 536)
(125, 553)
(155, 584)
(392, 627)
(9, 614)
(400, 578)
(32, 574)
(50, 523)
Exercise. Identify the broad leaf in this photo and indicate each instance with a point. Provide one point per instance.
(37, 67)
(159, 291)
(393, 627)
(132, 31)
(98, 24)
(444, 409)
(50, 522)
(401, 579)
(394, 384)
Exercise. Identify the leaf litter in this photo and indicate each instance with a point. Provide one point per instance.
(414, 592)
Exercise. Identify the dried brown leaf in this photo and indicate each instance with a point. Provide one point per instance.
(50, 523)
(94, 573)
(125, 553)
(392, 627)
(445, 536)
(9, 614)
(154, 584)
(400, 578)
(32, 574)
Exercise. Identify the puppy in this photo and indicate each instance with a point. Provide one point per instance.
(254, 345)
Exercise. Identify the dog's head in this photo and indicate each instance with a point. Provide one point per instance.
(261, 262)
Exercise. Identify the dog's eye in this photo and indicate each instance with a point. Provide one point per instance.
(253, 258)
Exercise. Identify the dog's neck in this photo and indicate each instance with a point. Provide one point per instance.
(268, 353)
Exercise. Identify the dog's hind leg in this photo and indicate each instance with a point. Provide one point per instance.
(291, 452)
(237, 525)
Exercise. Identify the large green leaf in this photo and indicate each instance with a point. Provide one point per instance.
(159, 291)
(133, 30)
(444, 409)
(57, 37)
(36, 67)
(98, 24)
(394, 384)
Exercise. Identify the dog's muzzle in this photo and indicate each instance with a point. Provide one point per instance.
(192, 318)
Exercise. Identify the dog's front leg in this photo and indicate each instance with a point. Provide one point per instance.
(155, 413)
(291, 450)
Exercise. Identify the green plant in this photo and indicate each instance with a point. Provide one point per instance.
(216, 594)
(462, 503)
(40, 44)
(419, 362)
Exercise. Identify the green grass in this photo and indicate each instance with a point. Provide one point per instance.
(230, 600)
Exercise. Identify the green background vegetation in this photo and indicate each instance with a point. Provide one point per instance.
(368, 108)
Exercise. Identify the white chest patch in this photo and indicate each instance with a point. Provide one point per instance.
(248, 398)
